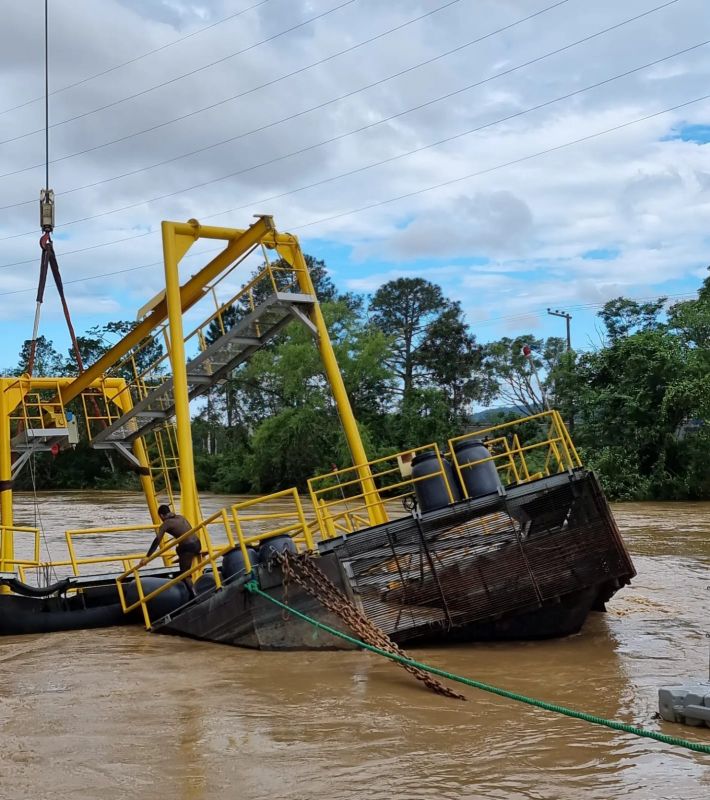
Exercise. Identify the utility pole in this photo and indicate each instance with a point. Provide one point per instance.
(567, 317)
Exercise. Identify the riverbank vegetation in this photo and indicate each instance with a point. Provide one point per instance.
(639, 399)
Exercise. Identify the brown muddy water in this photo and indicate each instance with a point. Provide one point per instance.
(125, 714)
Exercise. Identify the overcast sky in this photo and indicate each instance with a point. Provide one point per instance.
(621, 213)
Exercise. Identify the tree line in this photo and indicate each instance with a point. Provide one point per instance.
(639, 402)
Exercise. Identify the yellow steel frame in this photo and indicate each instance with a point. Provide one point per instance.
(14, 395)
(165, 315)
(297, 529)
(330, 516)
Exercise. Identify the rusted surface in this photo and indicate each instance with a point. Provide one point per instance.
(548, 544)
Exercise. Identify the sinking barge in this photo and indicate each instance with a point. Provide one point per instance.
(527, 564)
(498, 533)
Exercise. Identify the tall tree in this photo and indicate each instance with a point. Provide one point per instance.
(48, 362)
(452, 360)
(623, 316)
(404, 309)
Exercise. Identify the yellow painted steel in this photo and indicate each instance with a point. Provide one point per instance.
(376, 513)
(240, 241)
(173, 249)
(235, 515)
(557, 444)
(76, 561)
(10, 531)
(7, 546)
(330, 514)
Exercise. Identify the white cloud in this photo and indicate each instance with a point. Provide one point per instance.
(632, 190)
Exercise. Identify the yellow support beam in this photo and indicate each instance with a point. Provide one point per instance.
(240, 242)
(7, 544)
(173, 249)
(291, 251)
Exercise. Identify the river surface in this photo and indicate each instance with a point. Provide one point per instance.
(124, 714)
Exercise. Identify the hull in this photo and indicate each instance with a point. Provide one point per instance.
(529, 564)
(232, 615)
(99, 608)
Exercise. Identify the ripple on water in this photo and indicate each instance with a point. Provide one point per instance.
(122, 714)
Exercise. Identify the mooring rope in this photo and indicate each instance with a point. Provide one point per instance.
(675, 741)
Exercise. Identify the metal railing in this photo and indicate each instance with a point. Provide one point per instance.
(76, 562)
(341, 505)
(22, 563)
(552, 452)
(293, 523)
(36, 413)
(235, 521)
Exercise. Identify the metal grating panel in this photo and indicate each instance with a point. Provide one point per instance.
(451, 569)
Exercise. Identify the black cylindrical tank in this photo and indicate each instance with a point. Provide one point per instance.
(479, 479)
(274, 546)
(165, 602)
(431, 493)
(233, 561)
(205, 583)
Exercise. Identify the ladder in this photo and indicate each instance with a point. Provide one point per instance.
(210, 367)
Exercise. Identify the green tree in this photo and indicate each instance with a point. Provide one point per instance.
(404, 309)
(623, 316)
(512, 376)
(452, 359)
(48, 362)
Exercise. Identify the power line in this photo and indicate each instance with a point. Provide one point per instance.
(191, 72)
(438, 99)
(137, 58)
(381, 162)
(513, 162)
(434, 187)
(298, 71)
(578, 307)
(84, 249)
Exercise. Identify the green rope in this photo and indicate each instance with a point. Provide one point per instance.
(253, 587)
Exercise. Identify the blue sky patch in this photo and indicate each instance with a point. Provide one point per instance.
(700, 134)
(602, 254)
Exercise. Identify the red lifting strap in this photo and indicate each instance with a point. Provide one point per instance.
(49, 259)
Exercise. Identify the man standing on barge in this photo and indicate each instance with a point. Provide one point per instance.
(176, 525)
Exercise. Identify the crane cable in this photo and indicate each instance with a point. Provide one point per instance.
(49, 259)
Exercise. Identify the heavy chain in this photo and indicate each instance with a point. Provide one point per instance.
(302, 569)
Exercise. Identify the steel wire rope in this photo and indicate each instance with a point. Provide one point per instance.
(370, 125)
(423, 190)
(375, 164)
(137, 58)
(576, 307)
(38, 518)
(297, 72)
(414, 193)
(115, 103)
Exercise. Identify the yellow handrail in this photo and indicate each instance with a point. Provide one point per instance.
(299, 531)
(75, 561)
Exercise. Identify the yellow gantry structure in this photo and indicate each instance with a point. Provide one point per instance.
(32, 419)
(34, 411)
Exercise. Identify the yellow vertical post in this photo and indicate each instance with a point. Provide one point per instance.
(189, 507)
(7, 548)
(375, 509)
(125, 403)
